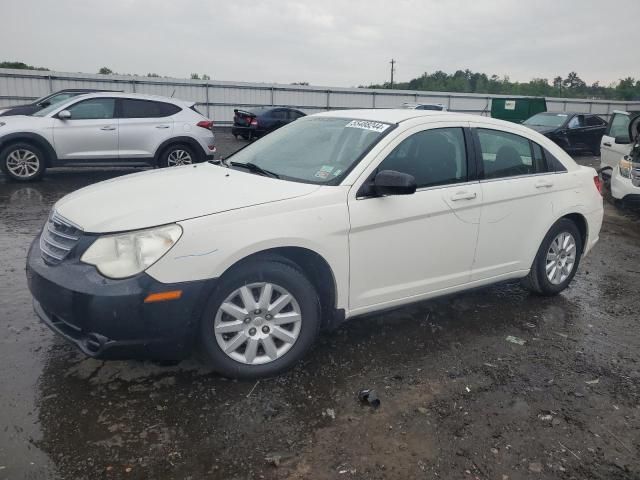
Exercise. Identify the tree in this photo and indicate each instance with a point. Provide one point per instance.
(20, 66)
(205, 77)
(153, 75)
(557, 82)
(195, 76)
(105, 71)
(573, 81)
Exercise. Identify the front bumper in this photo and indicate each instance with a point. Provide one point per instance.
(623, 188)
(107, 318)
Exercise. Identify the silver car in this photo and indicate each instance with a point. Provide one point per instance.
(101, 129)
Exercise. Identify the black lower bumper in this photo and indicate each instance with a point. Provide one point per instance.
(109, 318)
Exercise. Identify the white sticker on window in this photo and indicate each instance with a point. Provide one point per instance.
(561, 115)
(367, 125)
(509, 104)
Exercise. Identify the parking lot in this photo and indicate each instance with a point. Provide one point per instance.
(492, 384)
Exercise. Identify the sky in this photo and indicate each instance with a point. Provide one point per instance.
(325, 42)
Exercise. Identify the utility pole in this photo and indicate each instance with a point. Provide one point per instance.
(393, 68)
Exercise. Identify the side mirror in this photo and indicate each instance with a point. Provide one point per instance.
(390, 182)
(622, 139)
(64, 115)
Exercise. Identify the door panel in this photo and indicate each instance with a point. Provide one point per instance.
(402, 247)
(517, 203)
(610, 151)
(90, 134)
(144, 125)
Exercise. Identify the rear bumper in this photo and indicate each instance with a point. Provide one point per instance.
(108, 318)
(248, 131)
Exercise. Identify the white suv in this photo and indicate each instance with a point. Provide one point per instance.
(334, 215)
(104, 128)
(621, 138)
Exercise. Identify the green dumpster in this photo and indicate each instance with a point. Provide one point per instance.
(517, 110)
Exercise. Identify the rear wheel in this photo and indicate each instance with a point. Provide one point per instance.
(22, 162)
(261, 320)
(557, 259)
(177, 155)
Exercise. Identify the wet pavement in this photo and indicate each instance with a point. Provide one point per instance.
(458, 400)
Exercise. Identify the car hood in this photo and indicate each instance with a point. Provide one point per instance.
(22, 123)
(542, 129)
(163, 196)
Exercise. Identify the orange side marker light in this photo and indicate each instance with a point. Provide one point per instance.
(163, 296)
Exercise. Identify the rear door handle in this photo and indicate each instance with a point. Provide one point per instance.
(108, 127)
(463, 196)
(162, 126)
(544, 184)
(606, 144)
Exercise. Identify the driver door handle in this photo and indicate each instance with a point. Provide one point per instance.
(108, 127)
(544, 184)
(463, 196)
(162, 126)
(606, 144)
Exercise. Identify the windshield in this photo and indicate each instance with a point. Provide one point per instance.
(547, 120)
(319, 150)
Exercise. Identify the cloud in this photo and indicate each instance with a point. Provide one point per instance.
(325, 43)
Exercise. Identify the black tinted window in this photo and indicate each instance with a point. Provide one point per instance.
(92, 109)
(279, 114)
(292, 114)
(433, 157)
(147, 109)
(505, 154)
(593, 121)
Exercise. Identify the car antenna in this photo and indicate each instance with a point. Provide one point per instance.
(173, 93)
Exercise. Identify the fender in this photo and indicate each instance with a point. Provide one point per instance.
(34, 138)
(202, 155)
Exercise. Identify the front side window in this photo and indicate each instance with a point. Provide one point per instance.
(93, 109)
(593, 121)
(320, 150)
(576, 122)
(619, 126)
(146, 109)
(432, 157)
(507, 155)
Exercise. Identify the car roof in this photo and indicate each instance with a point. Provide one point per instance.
(388, 115)
(135, 96)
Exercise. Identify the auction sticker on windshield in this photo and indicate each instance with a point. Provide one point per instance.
(366, 125)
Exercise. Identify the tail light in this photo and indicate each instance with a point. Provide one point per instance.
(254, 122)
(598, 183)
(208, 124)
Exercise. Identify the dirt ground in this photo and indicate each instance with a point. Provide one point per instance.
(458, 400)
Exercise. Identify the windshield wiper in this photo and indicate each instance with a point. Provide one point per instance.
(252, 167)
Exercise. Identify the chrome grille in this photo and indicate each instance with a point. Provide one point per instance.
(58, 238)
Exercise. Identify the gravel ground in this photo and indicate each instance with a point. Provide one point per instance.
(458, 400)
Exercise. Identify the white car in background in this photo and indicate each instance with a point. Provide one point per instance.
(105, 128)
(335, 215)
(616, 161)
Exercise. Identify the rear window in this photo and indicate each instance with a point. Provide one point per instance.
(146, 109)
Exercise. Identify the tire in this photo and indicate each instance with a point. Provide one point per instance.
(252, 327)
(538, 281)
(177, 155)
(23, 162)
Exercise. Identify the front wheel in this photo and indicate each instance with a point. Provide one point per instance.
(557, 259)
(22, 162)
(262, 319)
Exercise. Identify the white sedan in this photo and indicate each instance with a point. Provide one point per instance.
(335, 215)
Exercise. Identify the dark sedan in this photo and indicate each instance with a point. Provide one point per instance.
(255, 122)
(43, 102)
(574, 132)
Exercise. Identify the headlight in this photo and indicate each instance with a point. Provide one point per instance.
(126, 254)
(625, 167)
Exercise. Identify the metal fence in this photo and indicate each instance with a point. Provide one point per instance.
(217, 99)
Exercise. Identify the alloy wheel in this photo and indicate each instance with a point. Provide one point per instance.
(179, 157)
(258, 323)
(23, 163)
(561, 258)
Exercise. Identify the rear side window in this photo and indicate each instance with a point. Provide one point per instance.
(434, 157)
(593, 121)
(619, 126)
(146, 109)
(506, 154)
